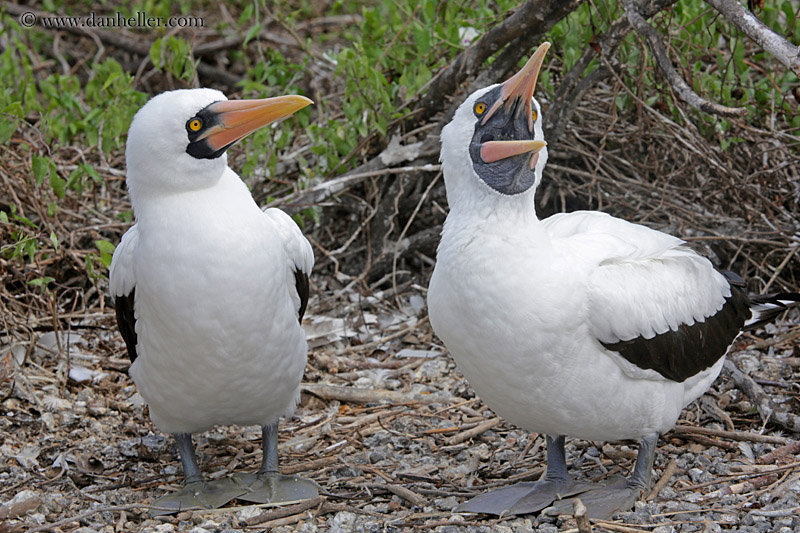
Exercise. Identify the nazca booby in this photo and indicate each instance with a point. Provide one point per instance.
(581, 324)
(210, 290)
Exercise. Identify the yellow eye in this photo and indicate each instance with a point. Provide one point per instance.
(480, 108)
(194, 124)
(534, 114)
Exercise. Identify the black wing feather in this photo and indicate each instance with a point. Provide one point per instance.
(302, 285)
(682, 353)
(126, 321)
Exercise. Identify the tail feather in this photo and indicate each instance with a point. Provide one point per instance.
(766, 307)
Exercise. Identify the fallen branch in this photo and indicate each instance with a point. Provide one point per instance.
(768, 411)
(407, 494)
(793, 448)
(747, 23)
(733, 435)
(314, 464)
(613, 526)
(669, 471)
(284, 512)
(741, 488)
(708, 441)
(474, 432)
(678, 84)
(581, 518)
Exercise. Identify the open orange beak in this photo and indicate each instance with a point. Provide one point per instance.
(492, 151)
(238, 118)
(521, 85)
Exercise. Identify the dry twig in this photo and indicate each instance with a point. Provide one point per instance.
(748, 23)
(766, 408)
(677, 83)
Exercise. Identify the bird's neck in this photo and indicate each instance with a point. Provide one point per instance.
(470, 198)
(228, 193)
(510, 215)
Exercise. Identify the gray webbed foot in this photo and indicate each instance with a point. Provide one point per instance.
(523, 498)
(618, 494)
(556, 491)
(601, 502)
(275, 488)
(269, 485)
(198, 494)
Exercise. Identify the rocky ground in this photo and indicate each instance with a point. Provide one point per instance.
(389, 429)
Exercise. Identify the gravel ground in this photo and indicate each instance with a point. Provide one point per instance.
(389, 429)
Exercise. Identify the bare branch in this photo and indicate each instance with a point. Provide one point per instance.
(539, 14)
(747, 23)
(664, 63)
(520, 47)
(572, 87)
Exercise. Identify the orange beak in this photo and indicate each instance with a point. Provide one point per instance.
(521, 85)
(492, 151)
(238, 118)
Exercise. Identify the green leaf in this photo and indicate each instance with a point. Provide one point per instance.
(104, 246)
(58, 185)
(251, 33)
(54, 240)
(7, 128)
(110, 80)
(106, 252)
(40, 165)
(41, 282)
(157, 52)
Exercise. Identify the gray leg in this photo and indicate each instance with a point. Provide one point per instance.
(191, 471)
(556, 468)
(268, 485)
(269, 442)
(530, 497)
(643, 470)
(196, 493)
(604, 502)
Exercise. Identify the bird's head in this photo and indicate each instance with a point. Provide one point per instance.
(177, 140)
(495, 142)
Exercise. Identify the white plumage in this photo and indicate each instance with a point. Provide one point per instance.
(522, 303)
(581, 324)
(213, 277)
(216, 307)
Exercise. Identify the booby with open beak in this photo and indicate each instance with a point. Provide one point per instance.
(210, 290)
(581, 324)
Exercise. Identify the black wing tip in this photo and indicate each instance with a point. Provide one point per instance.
(782, 302)
(126, 321)
(302, 285)
(733, 278)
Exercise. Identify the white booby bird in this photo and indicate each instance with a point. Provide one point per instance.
(210, 290)
(581, 324)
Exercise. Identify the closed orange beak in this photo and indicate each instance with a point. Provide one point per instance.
(238, 118)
